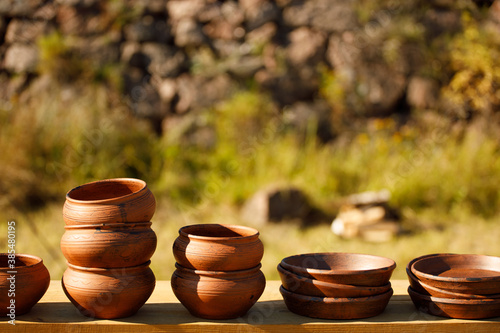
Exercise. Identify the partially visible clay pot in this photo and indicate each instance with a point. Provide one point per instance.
(108, 293)
(109, 245)
(119, 200)
(30, 282)
(218, 295)
(218, 247)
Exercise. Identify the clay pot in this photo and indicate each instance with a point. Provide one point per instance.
(461, 273)
(424, 289)
(108, 293)
(336, 308)
(120, 200)
(342, 268)
(108, 245)
(456, 308)
(217, 294)
(304, 286)
(218, 247)
(31, 280)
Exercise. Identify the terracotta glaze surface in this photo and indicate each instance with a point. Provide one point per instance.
(119, 200)
(305, 286)
(217, 294)
(108, 245)
(108, 293)
(342, 268)
(460, 273)
(336, 308)
(456, 308)
(218, 247)
(31, 280)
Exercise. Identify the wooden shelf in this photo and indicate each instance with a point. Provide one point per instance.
(163, 313)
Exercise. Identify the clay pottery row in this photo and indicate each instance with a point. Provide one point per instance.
(108, 293)
(455, 286)
(120, 200)
(336, 308)
(108, 245)
(218, 294)
(218, 272)
(31, 280)
(336, 285)
(218, 247)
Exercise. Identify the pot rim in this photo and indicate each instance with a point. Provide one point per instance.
(457, 301)
(337, 272)
(217, 274)
(98, 270)
(39, 261)
(332, 300)
(254, 232)
(108, 200)
(123, 225)
(471, 281)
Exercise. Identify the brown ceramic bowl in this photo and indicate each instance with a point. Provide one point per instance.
(30, 282)
(425, 289)
(108, 293)
(217, 294)
(336, 308)
(309, 287)
(218, 247)
(342, 268)
(108, 245)
(456, 308)
(461, 273)
(119, 200)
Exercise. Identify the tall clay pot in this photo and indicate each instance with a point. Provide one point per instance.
(28, 284)
(216, 294)
(108, 245)
(119, 200)
(108, 293)
(218, 247)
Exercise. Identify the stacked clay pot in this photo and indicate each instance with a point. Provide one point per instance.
(108, 244)
(218, 272)
(336, 285)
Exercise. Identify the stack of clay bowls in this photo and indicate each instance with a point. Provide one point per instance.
(218, 272)
(108, 244)
(336, 285)
(464, 286)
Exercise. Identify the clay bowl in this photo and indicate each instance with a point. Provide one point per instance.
(305, 286)
(218, 247)
(336, 308)
(456, 308)
(119, 200)
(108, 245)
(108, 293)
(460, 273)
(30, 282)
(342, 268)
(425, 289)
(217, 294)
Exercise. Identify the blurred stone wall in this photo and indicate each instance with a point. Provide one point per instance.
(180, 56)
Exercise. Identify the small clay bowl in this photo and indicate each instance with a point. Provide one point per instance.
(460, 273)
(217, 294)
(456, 308)
(309, 287)
(342, 268)
(425, 289)
(218, 247)
(25, 283)
(336, 308)
(108, 245)
(119, 200)
(108, 293)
